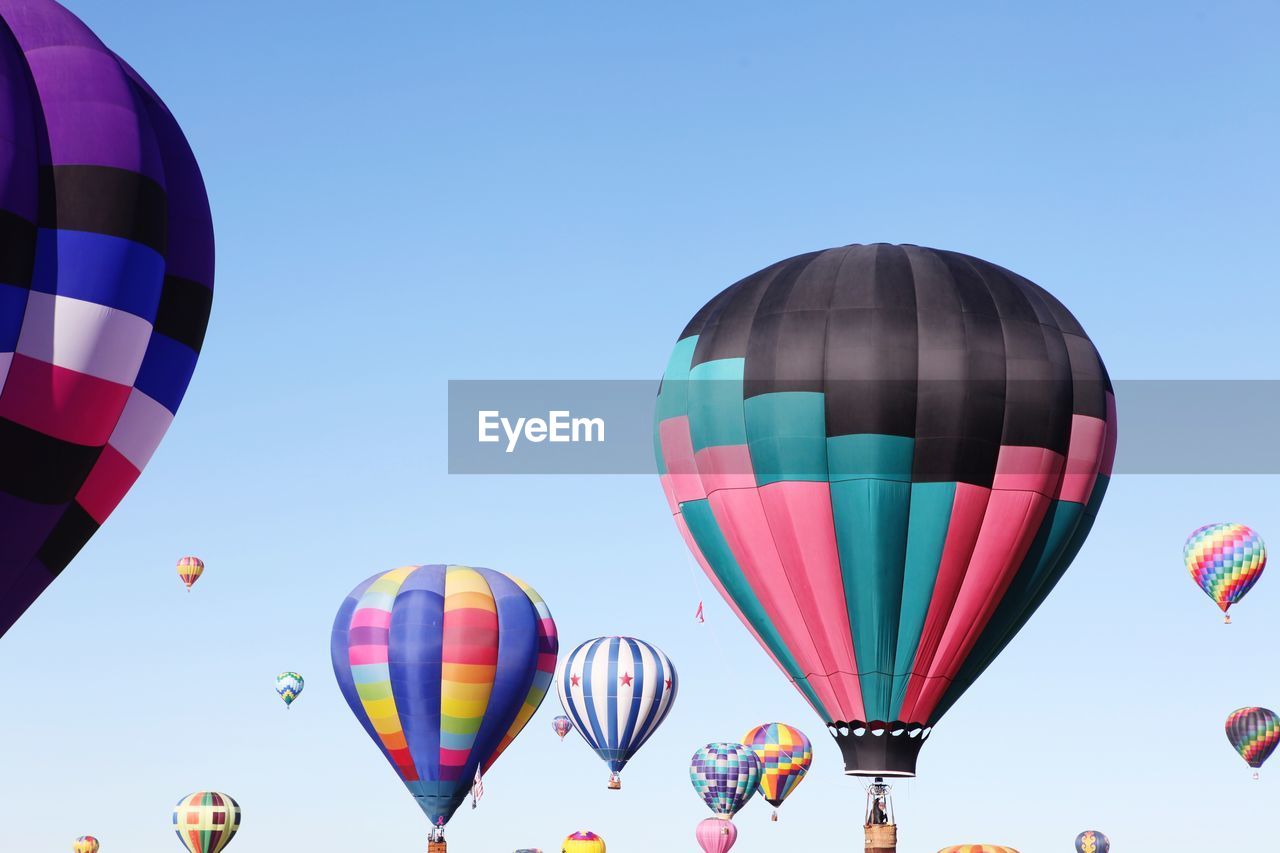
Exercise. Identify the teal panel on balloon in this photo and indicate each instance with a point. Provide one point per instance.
(931, 505)
(715, 404)
(787, 434)
(871, 520)
(876, 457)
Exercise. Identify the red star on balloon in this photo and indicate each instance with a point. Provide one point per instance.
(626, 679)
(668, 683)
(573, 680)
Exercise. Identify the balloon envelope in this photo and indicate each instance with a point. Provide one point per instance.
(189, 570)
(106, 281)
(1255, 733)
(1225, 560)
(617, 691)
(206, 821)
(1092, 841)
(785, 757)
(583, 841)
(561, 725)
(725, 775)
(85, 844)
(716, 835)
(289, 685)
(884, 458)
(977, 848)
(443, 666)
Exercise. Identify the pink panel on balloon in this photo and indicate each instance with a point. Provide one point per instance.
(803, 531)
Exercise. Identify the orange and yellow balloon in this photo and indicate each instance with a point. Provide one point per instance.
(85, 844)
(583, 841)
(189, 570)
(785, 754)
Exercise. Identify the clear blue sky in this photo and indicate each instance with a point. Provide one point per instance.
(409, 192)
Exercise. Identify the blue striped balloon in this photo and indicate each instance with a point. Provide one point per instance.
(617, 691)
(725, 775)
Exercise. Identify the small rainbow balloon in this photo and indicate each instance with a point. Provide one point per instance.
(1255, 733)
(1225, 560)
(85, 844)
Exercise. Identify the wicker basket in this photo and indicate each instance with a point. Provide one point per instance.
(437, 847)
(882, 838)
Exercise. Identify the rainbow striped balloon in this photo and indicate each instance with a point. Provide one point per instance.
(443, 666)
(785, 756)
(1225, 560)
(1255, 733)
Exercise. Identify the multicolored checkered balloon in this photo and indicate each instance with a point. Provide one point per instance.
(725, 775)
(106, 281)
(1226, 560)
(785, 755)
(206, 821)
(1255, 733)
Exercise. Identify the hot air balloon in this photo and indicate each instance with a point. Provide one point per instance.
(107, 275)
(725, 775)
(884, 458)
(1254, 732)
(785, 756)
(716, 835)
(85, 844)
(189, 571)
(617, 691)
(562, 725)
(1225, 560)
(977, 848)
(583, 841)
(289, 685)
(206, 821)
(1092, 841)
(443, 666)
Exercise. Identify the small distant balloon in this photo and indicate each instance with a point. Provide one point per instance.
(85, 844)
(206, 821)
(785, 755)
(289, 685)
(725, 775)
(1225, 560)
(617, 691)
(189, 570)
(562, 725)
(1092, 841)
(583, 841)
(1255, 733)
(977, 848)
(716, 835)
